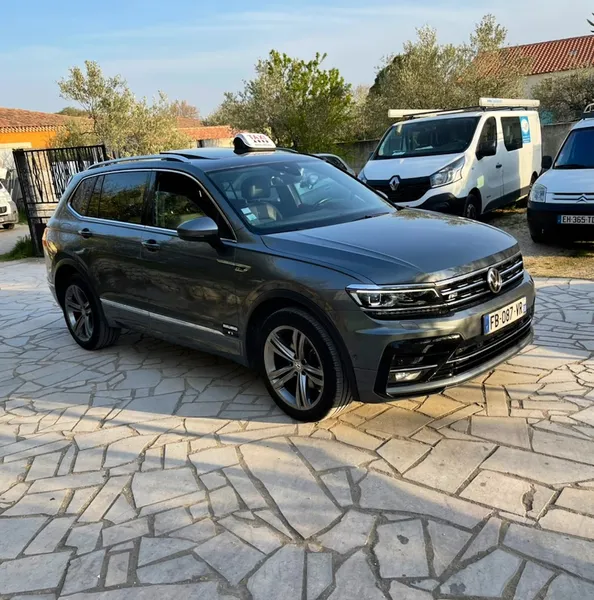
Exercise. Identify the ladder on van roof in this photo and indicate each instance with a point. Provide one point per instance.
(484, 104)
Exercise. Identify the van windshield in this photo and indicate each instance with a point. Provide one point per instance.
(427, 137)
(577, 150)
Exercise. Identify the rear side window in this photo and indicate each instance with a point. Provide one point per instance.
(512, 133)
(122, 196)
(93, 206)
(80, 199)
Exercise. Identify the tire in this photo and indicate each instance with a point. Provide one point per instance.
(8, 225)
(325, 389)
(89, 330)
(472, 207)
(538, 235)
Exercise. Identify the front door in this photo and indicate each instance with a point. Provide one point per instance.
(490, 180)
(189, 285)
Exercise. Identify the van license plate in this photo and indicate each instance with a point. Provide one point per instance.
(575, 219)
(505, 316)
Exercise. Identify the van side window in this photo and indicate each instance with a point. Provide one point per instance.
(512, 133)
(178, 199)
(122, 196)
(80, 199)
(489, 133)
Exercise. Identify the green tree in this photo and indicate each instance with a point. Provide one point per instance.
(71, 111)
(126, 125)
(298, 103)
(181, 108)
(428, 74)
(566, 97)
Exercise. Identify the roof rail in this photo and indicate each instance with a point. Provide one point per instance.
(588, 112)
(113, 161)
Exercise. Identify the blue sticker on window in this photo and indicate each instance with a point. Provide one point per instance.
(525, 124)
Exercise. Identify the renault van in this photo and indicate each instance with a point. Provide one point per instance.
(466, 162)
(561, 204)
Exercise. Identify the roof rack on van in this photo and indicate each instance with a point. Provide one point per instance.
(113, 161)
(484, 104)
(588, 112)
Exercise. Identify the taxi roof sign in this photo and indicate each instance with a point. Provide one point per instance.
(250, 142)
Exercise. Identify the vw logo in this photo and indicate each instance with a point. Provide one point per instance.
(494, 280)
(394, 183)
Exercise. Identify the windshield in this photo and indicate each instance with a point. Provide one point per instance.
(577, 152)
(428, 138)
(286, 196)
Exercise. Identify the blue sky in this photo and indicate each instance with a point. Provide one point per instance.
(195, 50)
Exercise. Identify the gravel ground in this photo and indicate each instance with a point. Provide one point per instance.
(9, 237)
(575, 260)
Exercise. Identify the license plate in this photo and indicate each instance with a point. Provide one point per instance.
(505, 316)
(575, 219)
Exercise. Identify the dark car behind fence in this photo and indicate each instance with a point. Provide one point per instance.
(43, 177)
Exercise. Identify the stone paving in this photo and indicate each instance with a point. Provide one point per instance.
(149, 471)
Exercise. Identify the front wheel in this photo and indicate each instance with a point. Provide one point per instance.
(472, 207)
(84, 317)
(301, 366)
(8, 225)
(538, 235)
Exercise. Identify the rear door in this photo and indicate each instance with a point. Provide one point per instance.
(112, 234)
(190, 285)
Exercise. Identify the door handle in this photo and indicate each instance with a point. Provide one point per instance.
(151, 245)
(85, 233)
(498, 166)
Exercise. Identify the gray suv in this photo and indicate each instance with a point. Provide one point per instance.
(284, 263)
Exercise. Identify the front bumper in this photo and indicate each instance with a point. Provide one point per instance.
(450, 349)
(542, 216)
(9, 217)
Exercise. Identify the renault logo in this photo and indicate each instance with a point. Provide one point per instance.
(494, 280)
(394, 183)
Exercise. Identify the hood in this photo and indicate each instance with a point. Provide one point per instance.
(407, 246)
(568, 181)
(407, 168)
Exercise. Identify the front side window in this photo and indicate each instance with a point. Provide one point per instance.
(178, 199)
(577, 151)
(428, 137)
(296, 194)
(512, 133)
(489, 133)
(122, 196)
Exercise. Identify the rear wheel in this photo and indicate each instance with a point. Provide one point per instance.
(538, 235)
(8, 225)
(84, 318)
(301, 366)
(472, 207)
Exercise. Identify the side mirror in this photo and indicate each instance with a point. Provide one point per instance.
(486, 149)
(547, 163)
(202, 229)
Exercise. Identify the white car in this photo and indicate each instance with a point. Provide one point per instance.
(467, 161)
(561, 203)
(9, 214)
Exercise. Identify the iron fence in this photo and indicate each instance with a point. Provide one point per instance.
(43, 177)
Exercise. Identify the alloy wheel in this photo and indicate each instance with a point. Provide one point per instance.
(293, 367)
(79, 313)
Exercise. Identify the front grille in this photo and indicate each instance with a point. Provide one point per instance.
(573, 198)
(408, 190)
(479, 350)
(3, 209)
(468, 290)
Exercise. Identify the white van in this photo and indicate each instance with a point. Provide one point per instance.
(465, 162)
(561, 203)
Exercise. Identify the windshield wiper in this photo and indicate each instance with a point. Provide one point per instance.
(371, 216)
(572, 166)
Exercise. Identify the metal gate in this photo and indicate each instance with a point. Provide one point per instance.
(43, 177)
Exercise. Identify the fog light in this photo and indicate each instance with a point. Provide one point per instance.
(402, 376)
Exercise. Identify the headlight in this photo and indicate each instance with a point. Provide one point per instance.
(538, 193)
(448, 174)
(361, 177)
(386, 300)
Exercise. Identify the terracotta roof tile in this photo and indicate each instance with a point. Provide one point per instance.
(553, 56)
(29, 120)
(214, 132)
